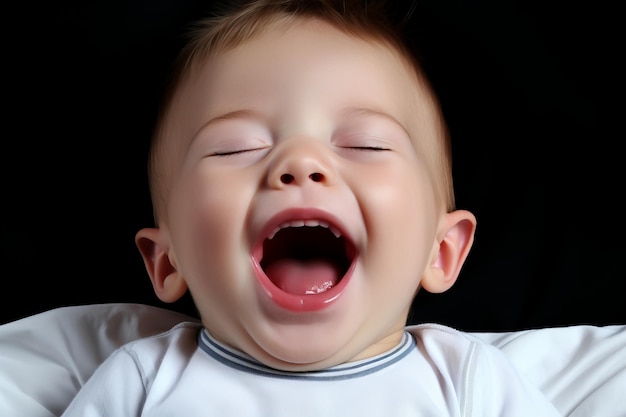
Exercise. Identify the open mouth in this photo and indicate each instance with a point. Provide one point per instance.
(304, 258)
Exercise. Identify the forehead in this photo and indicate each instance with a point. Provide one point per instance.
(285, 67)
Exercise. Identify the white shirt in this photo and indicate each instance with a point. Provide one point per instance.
(184, 372)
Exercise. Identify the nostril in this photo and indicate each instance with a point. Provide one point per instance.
(286, 178)
(316, 177)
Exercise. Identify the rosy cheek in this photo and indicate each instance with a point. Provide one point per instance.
(216, 202)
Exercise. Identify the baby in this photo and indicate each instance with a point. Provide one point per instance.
(300, 175)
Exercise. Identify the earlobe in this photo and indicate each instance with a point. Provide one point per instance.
(168, 283)
(453, 244)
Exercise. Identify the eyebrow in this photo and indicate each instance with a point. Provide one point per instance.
(232, 115)
(352, 111)
(359, 112)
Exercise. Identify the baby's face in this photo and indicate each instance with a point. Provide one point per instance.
(301, 215)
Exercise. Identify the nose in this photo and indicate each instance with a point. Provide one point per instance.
(299, 163)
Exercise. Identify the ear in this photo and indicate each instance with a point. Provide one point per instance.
(168, 283)
(454, 241)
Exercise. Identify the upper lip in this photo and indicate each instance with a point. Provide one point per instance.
(307, 223)
(299, 217)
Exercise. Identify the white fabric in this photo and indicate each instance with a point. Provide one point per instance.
(446, 373)
(46, 358)
(582, 369)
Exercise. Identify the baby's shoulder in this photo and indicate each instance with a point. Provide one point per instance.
(441, 334)
(182, 336)
(454, 347)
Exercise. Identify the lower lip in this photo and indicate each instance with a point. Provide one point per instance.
(301, 303)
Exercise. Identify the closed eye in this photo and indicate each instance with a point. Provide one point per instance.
(368, 148)
(236, 152)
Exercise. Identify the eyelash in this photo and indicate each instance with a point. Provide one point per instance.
(368, 148)
(230, 153)
(356, 148)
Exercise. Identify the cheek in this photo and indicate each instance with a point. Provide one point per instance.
(398, 205)
(206, 214)
(400, 193)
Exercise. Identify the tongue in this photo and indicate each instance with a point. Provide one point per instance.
(303, 277)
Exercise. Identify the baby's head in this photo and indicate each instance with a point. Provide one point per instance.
(301, 182)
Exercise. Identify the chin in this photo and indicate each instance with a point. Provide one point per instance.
(308, 345)
(305, 357)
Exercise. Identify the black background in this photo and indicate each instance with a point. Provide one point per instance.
(533, 94)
